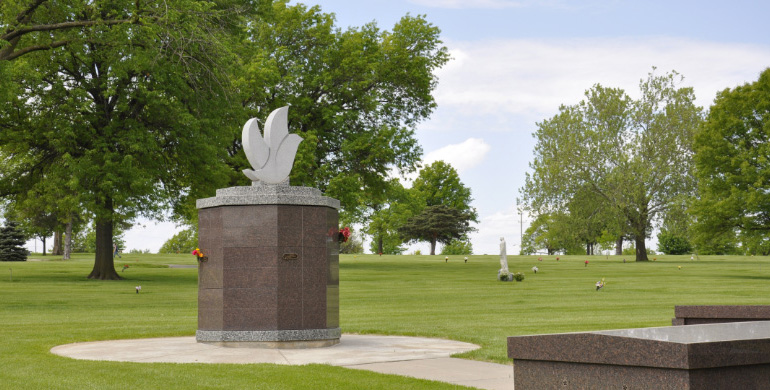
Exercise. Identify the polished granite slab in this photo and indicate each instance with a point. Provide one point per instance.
(709, 356)
(710, 314)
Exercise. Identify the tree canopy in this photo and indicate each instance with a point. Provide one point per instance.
(636, 155)
(126, 115)
(733, 169)
(133, 108)
(434, 224)
(356, 95)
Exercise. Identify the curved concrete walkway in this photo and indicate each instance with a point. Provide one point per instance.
(409, 356)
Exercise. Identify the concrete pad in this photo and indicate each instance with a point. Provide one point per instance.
(463, 372)
(352, 350)
(417, 357)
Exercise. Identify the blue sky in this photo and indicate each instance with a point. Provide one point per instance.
(515, 62)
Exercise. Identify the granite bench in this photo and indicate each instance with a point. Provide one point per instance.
(707, 356)
(709, 314)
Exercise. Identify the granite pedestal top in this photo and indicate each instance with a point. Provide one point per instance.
(709, 314)
(268, 195)
(689, 347)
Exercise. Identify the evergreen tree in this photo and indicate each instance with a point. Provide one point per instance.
(12, 243)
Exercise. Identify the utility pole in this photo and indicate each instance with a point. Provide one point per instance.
(521, 227)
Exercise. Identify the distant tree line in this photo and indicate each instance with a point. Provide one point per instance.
(610, 168)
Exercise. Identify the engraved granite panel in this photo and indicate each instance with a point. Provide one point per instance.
(210, 318)
(314, 257)
(290, 286)
(259, 297)
(313, 317)
(209, 238)
(314, 230)
(210, 218)
(209, 298)
(239, 237)
(289, 226)
(209, 308)
(239, 216)
(290, 317)
(333, 276)
(250, 318)
(253, 257)
(332, 306)
(314, 297)
(256, 277)
(209, 276)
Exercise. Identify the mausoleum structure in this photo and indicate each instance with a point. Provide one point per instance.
(271, 274)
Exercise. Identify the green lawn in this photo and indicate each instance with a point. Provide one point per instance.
(49, 303)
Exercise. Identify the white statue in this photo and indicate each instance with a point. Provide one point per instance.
(503, 256)
(272, 157)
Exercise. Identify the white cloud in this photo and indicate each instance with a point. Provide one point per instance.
(533, 77)
(465, 4)
(462, 156)
(503, 223)
(150, 235)
(507, 4)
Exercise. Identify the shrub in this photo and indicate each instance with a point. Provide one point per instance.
(672, 244)
(518, 276)
(183, 242)
(457, 247)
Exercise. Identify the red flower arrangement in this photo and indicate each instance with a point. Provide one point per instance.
(199, 255)
(344, 234)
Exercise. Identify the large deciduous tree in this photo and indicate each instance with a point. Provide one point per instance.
(34, 25)
(128, 114)
(636, 155)
(434, 224)
(436, 189)
(733, 168)
(439, 184)
(356, 95)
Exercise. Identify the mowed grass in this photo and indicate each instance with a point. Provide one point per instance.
(49, 303)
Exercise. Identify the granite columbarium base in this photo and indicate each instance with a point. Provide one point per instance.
(709, 356)
(712, 314)
(271, 278)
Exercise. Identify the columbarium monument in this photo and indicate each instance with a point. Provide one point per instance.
(271, 272)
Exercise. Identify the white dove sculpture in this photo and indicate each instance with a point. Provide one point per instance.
(271, 157)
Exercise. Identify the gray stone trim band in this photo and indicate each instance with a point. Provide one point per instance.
(267, 195)
(268, 335)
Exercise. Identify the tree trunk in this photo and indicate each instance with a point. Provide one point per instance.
(57, 250)
(104, 264)
(43, 239)
(619, 246)
(67, 240)
(379, 244)
(641, 250)
(432, 246)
